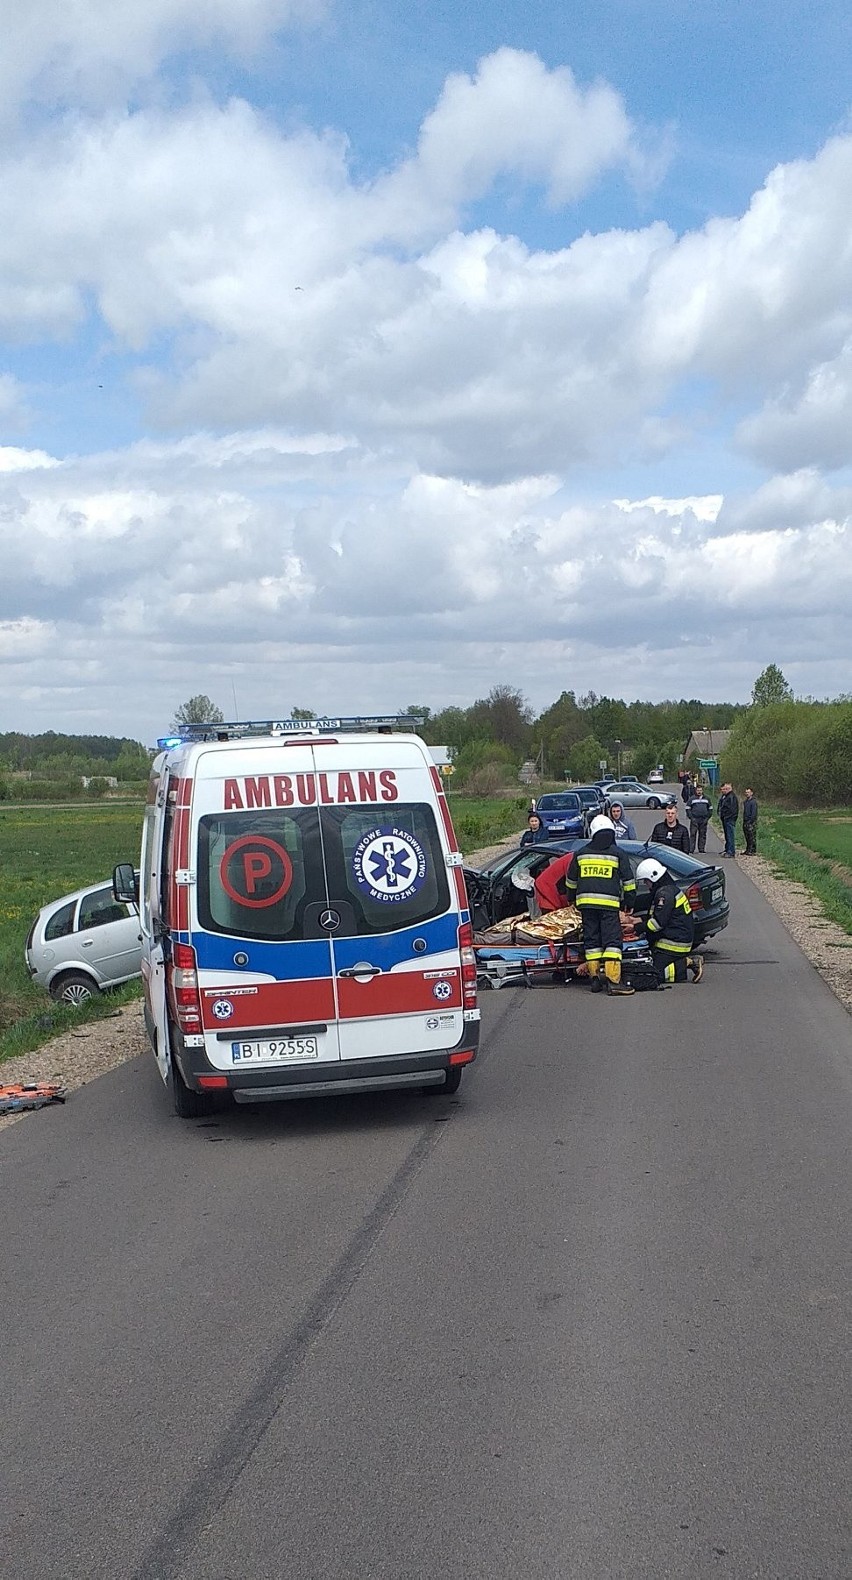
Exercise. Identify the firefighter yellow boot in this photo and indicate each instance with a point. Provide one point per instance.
(595, 982)
(615, 986)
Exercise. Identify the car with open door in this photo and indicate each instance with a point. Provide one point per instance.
(501, 888)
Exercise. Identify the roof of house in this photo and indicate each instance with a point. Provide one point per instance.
(706, 743)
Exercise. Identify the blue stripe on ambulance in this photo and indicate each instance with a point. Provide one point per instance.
(291, 961)
(387, 950)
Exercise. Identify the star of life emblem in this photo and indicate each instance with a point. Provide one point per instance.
(442, 990)
(390, 864)
(222, 1009)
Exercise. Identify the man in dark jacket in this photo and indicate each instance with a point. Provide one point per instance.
(670, 926)
(670, 831)
(729, 810)
(600, 880)
(750, 823)
(699, 812)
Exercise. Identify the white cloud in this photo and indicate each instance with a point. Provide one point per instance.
(83, 52)
(146, 588)
(13, 459)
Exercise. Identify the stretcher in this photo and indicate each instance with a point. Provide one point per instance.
(508, 965)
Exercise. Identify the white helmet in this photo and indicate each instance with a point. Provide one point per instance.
(652, 871)
(599, 822)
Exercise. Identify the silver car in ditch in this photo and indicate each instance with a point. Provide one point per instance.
(84, 943)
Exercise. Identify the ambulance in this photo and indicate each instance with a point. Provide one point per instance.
(305, 925)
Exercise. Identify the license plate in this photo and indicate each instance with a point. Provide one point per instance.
(282, 1048)
(715, 896)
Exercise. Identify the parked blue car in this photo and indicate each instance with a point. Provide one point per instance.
(561, 813)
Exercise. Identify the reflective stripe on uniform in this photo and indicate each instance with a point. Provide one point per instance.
(672, 949)
(599, 899)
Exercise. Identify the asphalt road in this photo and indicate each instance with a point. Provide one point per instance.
(591, 1318)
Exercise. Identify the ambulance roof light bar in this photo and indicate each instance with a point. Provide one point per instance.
(208, 731)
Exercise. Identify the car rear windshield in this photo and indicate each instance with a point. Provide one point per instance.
(259, 872)
(558, 803)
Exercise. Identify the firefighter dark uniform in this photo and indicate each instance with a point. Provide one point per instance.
(600, 880)
(671, 931)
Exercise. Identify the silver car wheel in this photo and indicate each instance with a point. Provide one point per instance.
(75, 990)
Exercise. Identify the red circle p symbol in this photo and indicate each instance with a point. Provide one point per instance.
(256, 871)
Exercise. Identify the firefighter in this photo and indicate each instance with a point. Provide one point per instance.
(599, 877)
(670, 926)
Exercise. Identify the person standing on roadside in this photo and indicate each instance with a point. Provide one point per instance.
(687, 790)
(729, 810)
(534, 833)
(750, 823)
(623, 827)
(670, 832)
(699, 812)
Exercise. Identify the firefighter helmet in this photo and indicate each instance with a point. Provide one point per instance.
(652, 871)
(601, 822)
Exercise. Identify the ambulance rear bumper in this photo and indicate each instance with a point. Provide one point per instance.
(351, 1075)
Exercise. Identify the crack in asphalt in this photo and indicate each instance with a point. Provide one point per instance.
(212, 1483)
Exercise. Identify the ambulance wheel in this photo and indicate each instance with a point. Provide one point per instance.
(451, 1083)
(187, 1103)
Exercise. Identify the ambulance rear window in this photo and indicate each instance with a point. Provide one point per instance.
(260, 873)
(387, 862)
(257, 871)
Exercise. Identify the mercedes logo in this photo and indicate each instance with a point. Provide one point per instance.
(329, 921)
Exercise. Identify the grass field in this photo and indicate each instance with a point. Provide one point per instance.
(815, 848)
(46, 852)
(483, 820)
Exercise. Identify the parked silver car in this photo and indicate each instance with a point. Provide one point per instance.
(631, 793)
(83, 943)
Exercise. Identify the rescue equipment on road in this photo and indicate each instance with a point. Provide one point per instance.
(16, 1097)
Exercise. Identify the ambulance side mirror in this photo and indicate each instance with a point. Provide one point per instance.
(125, 883)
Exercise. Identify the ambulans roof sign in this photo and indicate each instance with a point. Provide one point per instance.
(390, 864)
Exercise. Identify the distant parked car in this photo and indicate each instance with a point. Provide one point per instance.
(84, 943)
(655, 777)
(631, 793)
(561, 813)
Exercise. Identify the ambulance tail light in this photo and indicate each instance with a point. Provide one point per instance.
(694, 896)
(468, 965)
(183, 980)
(463, 1056)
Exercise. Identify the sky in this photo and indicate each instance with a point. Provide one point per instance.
(366, 353)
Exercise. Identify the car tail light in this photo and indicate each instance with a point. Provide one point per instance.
(468, 965)
(212, 1083)
(462, 1056)
(183, 980)
(695, 897)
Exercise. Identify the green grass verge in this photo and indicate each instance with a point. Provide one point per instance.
(815, 852)
(483, 820)
(45, 853)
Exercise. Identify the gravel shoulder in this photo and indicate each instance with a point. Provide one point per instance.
(78, 1057)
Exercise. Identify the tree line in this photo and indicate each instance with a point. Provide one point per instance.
(786, 749)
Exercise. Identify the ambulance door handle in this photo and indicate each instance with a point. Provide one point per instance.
(360, 971)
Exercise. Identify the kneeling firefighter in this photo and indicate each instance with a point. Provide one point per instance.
(670, 926)
(599, 877)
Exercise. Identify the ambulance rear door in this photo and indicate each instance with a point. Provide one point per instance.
(395, 945)
(260, 927)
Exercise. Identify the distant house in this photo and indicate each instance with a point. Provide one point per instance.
(706, 744)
